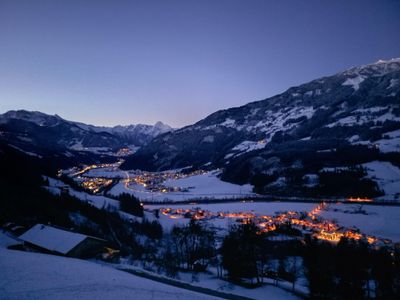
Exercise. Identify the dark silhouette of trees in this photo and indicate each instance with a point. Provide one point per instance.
(193, 244)
(130, 204)
(386, 272)
(319, 269)
(242, 252)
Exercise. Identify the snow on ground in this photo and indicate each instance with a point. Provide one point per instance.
(278, 121)
(389, 145)
(354, 82)
(258, 208)
(228, 122)
(7, 240)
(211, 281)
(27, 275)
(52, 238)
(387, 176)
(105, 172)
(244, 147)
(210, 184)
(380, 221)
(261, 293)
(98, 201)
(206, 185)
(98, 150)
(372, 114)
(248, 146)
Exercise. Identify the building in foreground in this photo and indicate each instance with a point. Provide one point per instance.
(57, 241)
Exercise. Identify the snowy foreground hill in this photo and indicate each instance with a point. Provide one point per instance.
(39, 276)
(27, 275)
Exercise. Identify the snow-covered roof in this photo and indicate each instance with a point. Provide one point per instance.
(52, 238)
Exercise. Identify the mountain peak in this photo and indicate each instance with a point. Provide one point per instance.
(36, 117)
(379, 68)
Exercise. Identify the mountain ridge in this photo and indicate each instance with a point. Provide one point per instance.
(357, 108)
(44, 135)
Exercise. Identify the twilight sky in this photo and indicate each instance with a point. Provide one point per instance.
(121, 62)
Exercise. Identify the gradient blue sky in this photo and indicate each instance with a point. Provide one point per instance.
(121, 62)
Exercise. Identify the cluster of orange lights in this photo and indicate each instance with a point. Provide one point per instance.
(335, 236)
(199, 214)
(96, 184)
(321, 229)
(358, 199)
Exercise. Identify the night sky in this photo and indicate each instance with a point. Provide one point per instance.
(121, 62)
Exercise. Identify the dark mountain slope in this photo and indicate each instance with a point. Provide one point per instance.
(283, 143)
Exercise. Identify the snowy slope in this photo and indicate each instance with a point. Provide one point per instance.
(387, 176)
(27, 275)
(355, 110)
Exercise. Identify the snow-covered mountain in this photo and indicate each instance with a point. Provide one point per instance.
(137, 134)
(307, 127)
(39, 133)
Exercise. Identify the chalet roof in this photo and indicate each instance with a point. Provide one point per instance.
(53, 239)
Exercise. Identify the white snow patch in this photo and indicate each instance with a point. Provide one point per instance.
(386, 175)
(228, 122)
(247, 146)
(354, 82)
(208, 139)
(393, 83)
(354, 138)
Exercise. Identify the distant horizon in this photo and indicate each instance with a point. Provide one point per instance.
(130, 62)
(177, 127)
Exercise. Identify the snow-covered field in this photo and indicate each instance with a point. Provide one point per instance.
(387, 176)
(380, 221)
(26, 275)
(390, 145)
(105, 172)
(258, 208)
(206, 185)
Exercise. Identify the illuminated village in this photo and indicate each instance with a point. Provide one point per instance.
(153, 182)
(307, 223)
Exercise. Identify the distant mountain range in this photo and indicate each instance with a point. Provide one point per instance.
(336, 135)
(283, 143)
(43, 135)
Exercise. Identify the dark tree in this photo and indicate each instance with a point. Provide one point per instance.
(194, 244)
(130, 204)
(242, 252)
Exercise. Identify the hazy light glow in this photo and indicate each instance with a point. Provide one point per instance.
(120, 62)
